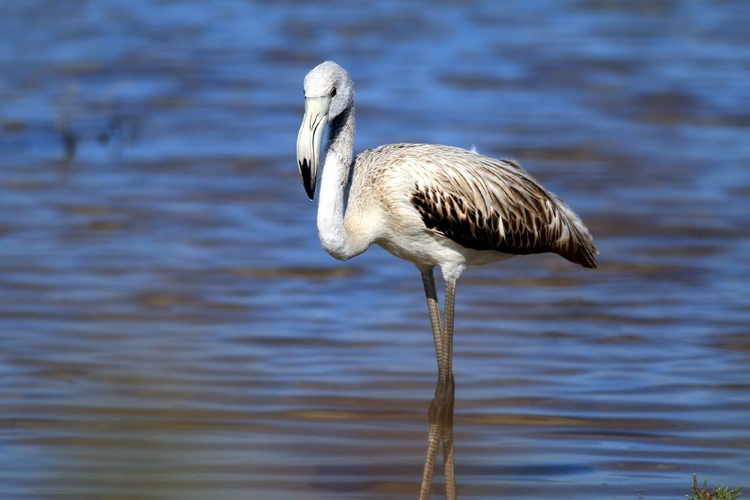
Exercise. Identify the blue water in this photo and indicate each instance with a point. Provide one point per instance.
(171, 328)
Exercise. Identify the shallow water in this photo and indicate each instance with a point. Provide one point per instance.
(171, 328)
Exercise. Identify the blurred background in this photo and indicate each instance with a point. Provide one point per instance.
(171, 329)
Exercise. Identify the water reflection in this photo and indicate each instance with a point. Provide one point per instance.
(440, 434)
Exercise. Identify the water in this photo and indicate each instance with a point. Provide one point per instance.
(170, 327)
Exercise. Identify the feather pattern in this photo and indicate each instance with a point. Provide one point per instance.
(482, 203)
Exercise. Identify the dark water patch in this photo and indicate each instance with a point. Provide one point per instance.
(478, 82)
(296, 272)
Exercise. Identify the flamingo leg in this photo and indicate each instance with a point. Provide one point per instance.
(448, 387)
(434, 434)
(441, 408)
(428, 279)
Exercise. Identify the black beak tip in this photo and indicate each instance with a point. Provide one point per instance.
(307, 180)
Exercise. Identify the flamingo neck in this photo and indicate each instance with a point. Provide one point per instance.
(334, 188)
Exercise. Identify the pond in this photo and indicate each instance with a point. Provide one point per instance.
(171, 328)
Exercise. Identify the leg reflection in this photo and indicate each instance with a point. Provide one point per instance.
(441, 430)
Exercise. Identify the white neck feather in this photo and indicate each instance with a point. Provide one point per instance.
(334, 189)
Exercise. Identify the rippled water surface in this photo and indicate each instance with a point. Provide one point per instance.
(171, 329)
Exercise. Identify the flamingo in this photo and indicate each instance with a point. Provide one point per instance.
(432, 205)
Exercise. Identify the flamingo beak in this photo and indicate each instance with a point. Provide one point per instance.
(309, 140)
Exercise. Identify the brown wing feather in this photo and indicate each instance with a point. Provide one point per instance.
(487, 204)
